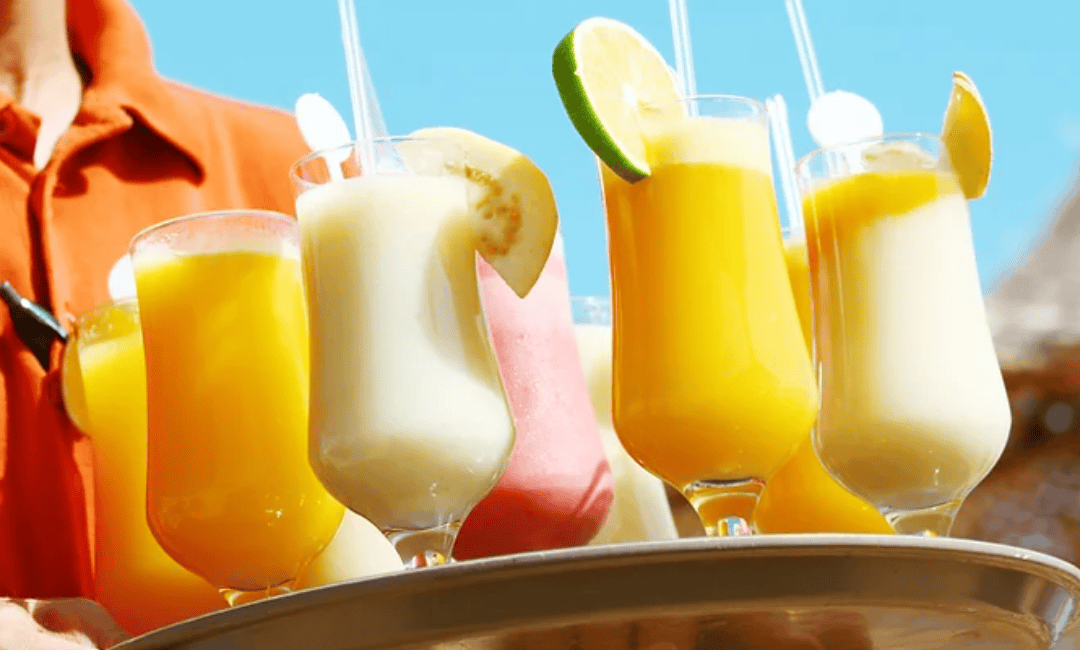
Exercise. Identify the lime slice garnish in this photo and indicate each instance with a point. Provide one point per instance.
(607, 74)
(967, 137)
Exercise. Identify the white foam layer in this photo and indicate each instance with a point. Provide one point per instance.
(163, 252)
(715, 140)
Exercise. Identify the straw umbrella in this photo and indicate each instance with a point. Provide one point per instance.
(1032, 498)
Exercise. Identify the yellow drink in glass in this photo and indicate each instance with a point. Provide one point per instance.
(712, 382)
(798, 266)
(140, 585)
(803, 497)
(231, 494)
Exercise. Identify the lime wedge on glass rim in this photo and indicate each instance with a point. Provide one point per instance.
(607, 74)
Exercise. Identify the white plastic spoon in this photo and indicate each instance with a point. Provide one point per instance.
(323, 129)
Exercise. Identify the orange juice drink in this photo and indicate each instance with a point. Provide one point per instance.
(712, 388)
(231, 494)
(915, 411)
(802, 497)
(140, 585)
(798, 266)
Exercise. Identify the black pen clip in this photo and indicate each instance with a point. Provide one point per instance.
(34, 324)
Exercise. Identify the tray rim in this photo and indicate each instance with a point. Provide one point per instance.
(519, 566)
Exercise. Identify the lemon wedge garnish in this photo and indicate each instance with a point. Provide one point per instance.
(967, 137)
(71, 386)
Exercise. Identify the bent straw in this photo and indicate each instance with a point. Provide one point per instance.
(776, 109)
(805, 48)
(359, 82)
(684, 59)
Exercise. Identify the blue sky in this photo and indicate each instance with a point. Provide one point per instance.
(485, 65)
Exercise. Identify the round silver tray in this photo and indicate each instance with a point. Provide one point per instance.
(805, 592)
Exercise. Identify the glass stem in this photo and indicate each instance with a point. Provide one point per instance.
(725, 508)
(424, 548)
(929, 522)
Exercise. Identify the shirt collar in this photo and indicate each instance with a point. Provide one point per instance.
(110, 39)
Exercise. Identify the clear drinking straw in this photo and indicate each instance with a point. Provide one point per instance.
(360, 87)
(378, 124)
(805, 48)
(684, 59)
(776, 109)
(811, 72)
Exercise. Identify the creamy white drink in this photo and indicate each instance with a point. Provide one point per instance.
(409, 425)
(914, 411)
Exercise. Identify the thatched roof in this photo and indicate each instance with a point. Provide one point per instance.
(1035, 312)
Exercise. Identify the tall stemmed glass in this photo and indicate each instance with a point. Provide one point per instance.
(410, 426)
(914, 410)
(230, 494)
(134, 579)
(713, 388)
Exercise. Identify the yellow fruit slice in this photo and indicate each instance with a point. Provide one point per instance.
(607, 74)
(967, 137)
(71, 386)
(513, 203)
(108, 320)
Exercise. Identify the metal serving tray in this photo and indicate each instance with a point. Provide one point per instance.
(804, 592)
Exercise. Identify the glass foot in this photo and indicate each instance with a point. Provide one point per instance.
(928, 522)
(424, 548)
(725, 508)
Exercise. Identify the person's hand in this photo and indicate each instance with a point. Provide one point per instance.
(60, 624)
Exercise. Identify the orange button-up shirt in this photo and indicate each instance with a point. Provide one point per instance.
(142, 149)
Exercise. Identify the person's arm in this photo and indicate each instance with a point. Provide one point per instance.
(60, 624)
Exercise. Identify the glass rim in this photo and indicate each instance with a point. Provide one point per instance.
(272, 215)
(757, 104)
(109, 303)
(895, 136)
(352, 144)
(86, 325)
